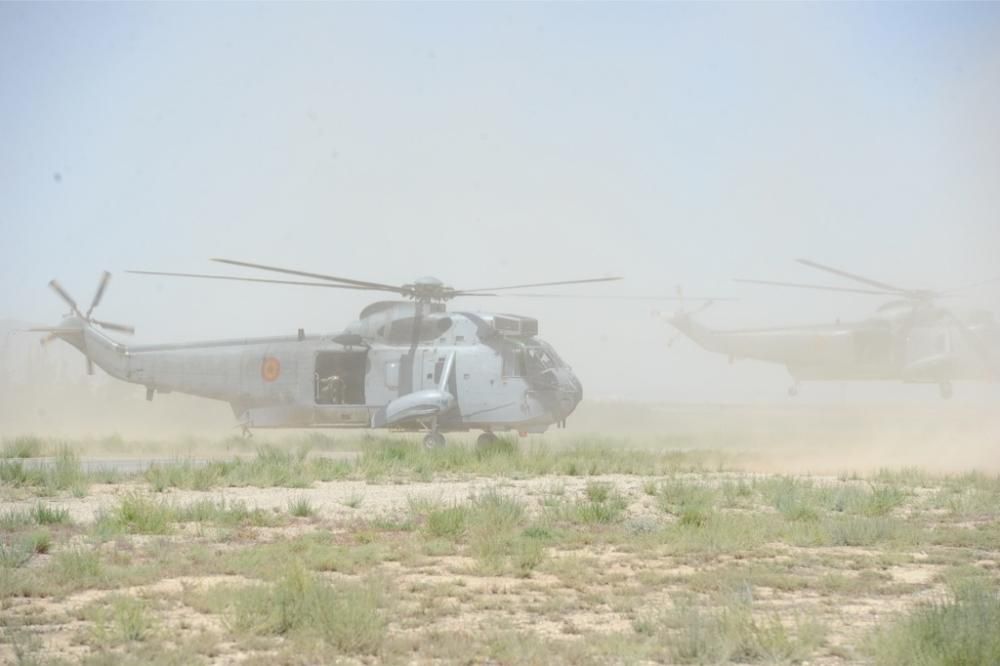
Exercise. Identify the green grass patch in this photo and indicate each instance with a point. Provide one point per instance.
(448, 522)
(301, 507)
(354, 500)
(600, 505)
(964, 629)
(22, 447)
(271, 467)
(79, 567)
(489, 527)
(136, 514)
(46, 514)
(387, 457)
(120, 619)
(734, 633)
(347, 616)
(62, 474)
(13, 519)
(864, 532)
(186, 475)
(226, 513)
(39, 542)
(15, 555)
(692, 503)
(598, 492)
(803, 499)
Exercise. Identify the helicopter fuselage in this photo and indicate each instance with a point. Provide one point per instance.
(457, 371)
(910, 346)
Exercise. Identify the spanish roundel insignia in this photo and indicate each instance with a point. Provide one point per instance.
(270, 369)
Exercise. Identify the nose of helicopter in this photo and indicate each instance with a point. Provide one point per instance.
(570, 394)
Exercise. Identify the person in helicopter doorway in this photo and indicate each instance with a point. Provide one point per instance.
(331, 390)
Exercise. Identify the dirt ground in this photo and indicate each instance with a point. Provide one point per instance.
(696, 535)
(601, 584)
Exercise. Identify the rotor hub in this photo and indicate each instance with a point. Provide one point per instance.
(428, 288)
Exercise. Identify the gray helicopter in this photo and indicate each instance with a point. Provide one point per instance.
(910, 339)
(404, 364)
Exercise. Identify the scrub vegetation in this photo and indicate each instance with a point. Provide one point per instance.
(590, 551)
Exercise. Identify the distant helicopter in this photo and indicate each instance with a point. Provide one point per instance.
(910, 339)
(405, 364)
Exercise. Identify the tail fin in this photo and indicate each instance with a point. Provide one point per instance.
(109, 355)
(691, 328)
(96, 347)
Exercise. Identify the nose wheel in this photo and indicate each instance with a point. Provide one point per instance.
(946, 390)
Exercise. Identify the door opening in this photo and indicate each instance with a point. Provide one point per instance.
(339, 378)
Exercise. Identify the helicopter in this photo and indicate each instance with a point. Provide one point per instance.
(910, 338)
(405, 364)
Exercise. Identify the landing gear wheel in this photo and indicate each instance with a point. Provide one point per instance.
(793, 391)
(485, 440)
(946, 390)
(433, 440)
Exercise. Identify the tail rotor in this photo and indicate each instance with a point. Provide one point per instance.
(98, 295)
(63, 294)
(681, 317)
(71, 328)
(101, 286)
(706, 303)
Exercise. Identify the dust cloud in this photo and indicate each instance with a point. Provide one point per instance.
(494, 144)
(46, 392)
(816, 439)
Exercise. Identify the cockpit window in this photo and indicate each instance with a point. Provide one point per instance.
(528, 358)
(542, 358)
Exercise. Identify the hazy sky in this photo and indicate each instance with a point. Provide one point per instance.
(496, 143)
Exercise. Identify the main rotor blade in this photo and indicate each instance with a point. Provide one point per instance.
(263, 280)
(114, 327)
(971, 286)
(536, 284)
(56, 287)
(317, 276)
(101, 286)
(819, 287)
(856, 278)
(606, 297)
